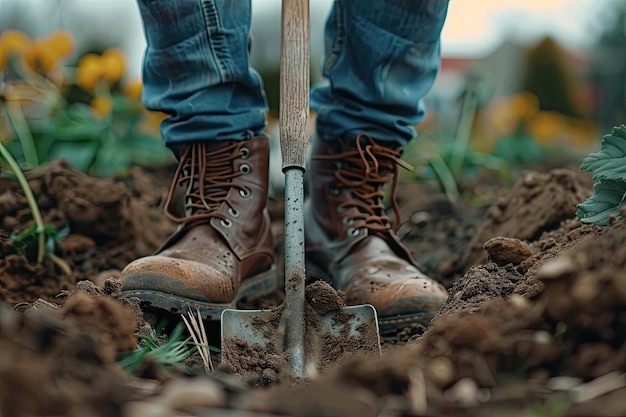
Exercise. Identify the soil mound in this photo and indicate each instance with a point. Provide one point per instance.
(108, 226)
(536, 324)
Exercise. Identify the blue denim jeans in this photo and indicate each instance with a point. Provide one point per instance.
(381, 58)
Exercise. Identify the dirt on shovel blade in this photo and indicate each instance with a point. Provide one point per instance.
(265, 362)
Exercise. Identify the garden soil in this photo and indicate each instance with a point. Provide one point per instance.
(535, 323)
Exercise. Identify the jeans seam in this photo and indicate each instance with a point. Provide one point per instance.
(339, 38)
(218, 43)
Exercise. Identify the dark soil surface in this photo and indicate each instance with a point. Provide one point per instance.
(535, 323)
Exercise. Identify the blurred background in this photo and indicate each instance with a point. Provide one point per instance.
(523, 83)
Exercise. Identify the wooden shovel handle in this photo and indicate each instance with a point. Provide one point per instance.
(294, 83)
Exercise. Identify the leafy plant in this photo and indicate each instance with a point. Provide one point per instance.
(608, 168)
(166, 355)
(30, 236)
(447, 155)
(45, 236)
(84, 115)
(519, 147)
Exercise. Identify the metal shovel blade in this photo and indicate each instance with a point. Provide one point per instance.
(328, 338)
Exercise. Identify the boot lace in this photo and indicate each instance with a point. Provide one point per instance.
(364, 171)
(207, 176)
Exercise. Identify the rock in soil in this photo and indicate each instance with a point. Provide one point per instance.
(506, 250)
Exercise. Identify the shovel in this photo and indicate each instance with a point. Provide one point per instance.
(300, 338)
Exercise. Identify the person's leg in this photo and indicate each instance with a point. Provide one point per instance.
(196, 70)
(381, 60)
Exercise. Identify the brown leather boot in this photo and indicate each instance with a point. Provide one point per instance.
(351, 243)
(223, 249)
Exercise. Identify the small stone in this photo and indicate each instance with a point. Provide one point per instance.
(420, 219)
(556, 268)
(268, 376)
(598, 387)
(441, 370)
(519, 302)
(184, 394)
(418, 400)
(465, 392)
(563, 383)
(506, 250)
(542, 337)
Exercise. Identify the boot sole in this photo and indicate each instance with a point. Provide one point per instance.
(251, 288)
(388, 326)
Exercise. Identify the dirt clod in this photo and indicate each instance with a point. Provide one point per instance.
(322, 297)
(504, 250)
(110, 321)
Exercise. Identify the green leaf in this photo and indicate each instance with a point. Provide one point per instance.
(81, 156)
(55, 236)
(519, 147)
(146, 149)
(606, 201)
(110, 159)
(78, 123)
(171, 353)
(28, 237)
(610, 162)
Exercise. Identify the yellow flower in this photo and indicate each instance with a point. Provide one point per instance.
(133, 90)
(525, 105)
(102, 105)
(40, 57)
(14, 41)
(61, 42)
(546, 127)
(114, 64)
(89, 71)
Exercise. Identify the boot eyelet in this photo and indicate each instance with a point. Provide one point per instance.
(346, 221)
(244, 169)
(353, 232)
(244, 193)
(245, 152)
(226, 223)
(334, 191)
(233, 212)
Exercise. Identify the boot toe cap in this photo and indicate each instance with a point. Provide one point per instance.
(402, 303)
(168, 282)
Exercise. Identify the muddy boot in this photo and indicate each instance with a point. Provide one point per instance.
(350, 241)
(223, 249)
